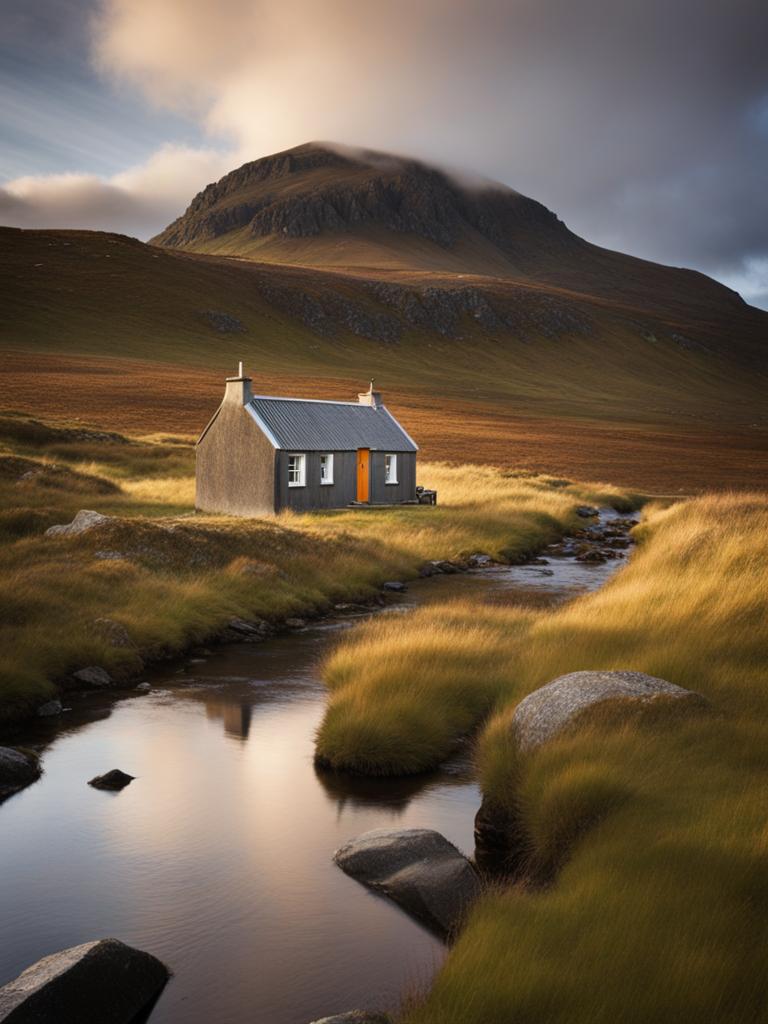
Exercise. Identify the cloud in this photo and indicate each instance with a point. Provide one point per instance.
(136, 201)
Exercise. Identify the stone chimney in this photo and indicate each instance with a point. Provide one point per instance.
(238, 388)
(370, 397)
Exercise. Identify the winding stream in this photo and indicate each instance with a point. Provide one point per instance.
(217, 858)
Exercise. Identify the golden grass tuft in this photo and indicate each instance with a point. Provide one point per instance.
(649, 829)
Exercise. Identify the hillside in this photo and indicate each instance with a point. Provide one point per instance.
(369, 212)
(658, 382)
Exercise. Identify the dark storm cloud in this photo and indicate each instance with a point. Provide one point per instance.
(643, 124)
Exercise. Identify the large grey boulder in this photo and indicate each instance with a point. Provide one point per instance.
(17, 769)
(356, 1017)
(549, 710)
(103, 981)
(417, 868)
(85, 520)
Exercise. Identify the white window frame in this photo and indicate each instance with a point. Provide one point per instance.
(390, 469)
(301, 475)
(327, 479)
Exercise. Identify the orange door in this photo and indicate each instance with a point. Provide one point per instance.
(363, 479)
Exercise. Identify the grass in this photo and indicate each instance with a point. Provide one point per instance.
(179, 577)
(645, 835)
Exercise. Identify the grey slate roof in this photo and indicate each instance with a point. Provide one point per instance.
(299, 424)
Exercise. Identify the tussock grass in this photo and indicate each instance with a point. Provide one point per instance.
(649, 829)
(172, 578)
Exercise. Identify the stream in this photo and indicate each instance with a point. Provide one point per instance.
(217, 858)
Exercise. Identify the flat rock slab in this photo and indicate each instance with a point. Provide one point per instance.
(355, 1017)
(418, 869)
(114, 780)
(546, 712)
(103, 981)
(17, 770)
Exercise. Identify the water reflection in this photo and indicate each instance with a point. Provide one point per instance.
(236, 716)
(359, 791)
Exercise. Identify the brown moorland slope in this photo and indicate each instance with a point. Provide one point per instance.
(543, 351)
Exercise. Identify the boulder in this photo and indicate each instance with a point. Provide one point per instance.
(549, 710)
(104, 981)
(480, 561)
(17, 769)
(294, 623)
(143, 687)
(417, 868)
(243, 630)
(587, 511)
(93, 677)
(114, 779)
(356, 1017)
(51, 707)
(395, 586)
(115, 633)
(84, 521)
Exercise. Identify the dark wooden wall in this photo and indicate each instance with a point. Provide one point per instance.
(404, 489)
(343, 490)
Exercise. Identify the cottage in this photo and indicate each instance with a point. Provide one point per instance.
(261, 454)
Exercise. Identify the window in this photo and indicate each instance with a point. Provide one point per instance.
(326, 469)
(390, 469)
(297, 470)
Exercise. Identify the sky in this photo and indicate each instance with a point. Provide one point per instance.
(642, 123)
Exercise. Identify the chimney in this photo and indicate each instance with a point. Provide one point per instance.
(238, 388)
(370, 397)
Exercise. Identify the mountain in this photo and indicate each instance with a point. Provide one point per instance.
(497, 334)
(391, 218)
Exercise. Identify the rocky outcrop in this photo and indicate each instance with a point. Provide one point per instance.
(418, 869)
(103, 981)
(114, 779)
(551, 709)
(84, 521)
(18, 768)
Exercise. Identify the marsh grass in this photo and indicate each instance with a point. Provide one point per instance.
(645, 834)
(173, 578)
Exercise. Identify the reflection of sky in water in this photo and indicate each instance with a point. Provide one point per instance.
(218, 857)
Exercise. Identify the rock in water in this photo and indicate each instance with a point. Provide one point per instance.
(112, 780)
(84, 521)
(418, 869)
(356, 1017)
(17, 769)
(103, 981)
(549, 710)
(395, 586)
